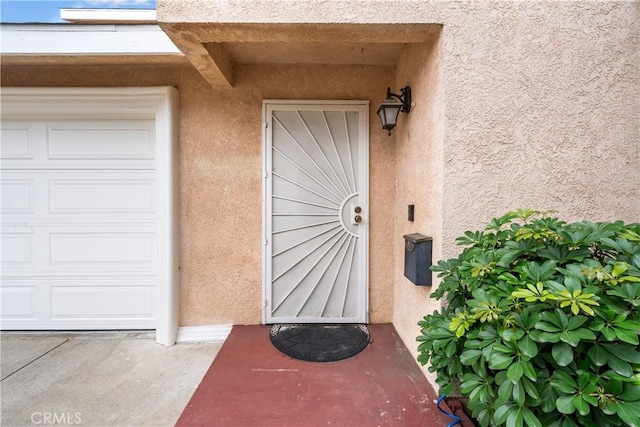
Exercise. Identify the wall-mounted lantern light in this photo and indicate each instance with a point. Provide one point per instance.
(389, 109)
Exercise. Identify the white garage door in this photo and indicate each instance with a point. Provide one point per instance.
(79, 223)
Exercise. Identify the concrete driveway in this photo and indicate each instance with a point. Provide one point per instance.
(104, 379)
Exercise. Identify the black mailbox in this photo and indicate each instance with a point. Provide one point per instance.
(417, 258)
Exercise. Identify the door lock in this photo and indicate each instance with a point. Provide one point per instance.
(357, 214)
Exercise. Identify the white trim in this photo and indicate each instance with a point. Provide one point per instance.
(77, 40)
(146, 16)
(267, 159)
(209, 333)
(167, 307)
(159, 103)
(267, 123)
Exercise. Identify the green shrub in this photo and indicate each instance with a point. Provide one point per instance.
(540, 323)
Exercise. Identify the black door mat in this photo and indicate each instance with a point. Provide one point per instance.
(320, 343)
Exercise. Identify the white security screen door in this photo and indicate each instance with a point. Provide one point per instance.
(316, 212)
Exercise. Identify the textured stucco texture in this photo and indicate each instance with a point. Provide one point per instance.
(518, 104)
(220, 174)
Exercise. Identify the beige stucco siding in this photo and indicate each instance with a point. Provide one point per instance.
(221, 181)
(537, 105)
(419, 176)
(220, 176)
(543, 112)
(540, 97)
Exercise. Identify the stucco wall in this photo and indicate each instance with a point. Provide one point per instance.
(419, 151)
(221, 174)
(222, 184)
(539, 95)
(541, 109)
(542, 106)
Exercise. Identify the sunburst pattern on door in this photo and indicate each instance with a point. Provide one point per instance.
(316, 176)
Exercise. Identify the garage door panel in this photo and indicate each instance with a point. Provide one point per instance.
(18, 302)
(101, 140)
(30, 195)
(78, 302)
(98, 248)
(101, 195)
(102, 302)
(15, 141)
(82, 144)
(17, 196)
(17, 249)
(116, 249)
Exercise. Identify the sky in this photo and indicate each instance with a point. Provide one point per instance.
(47, 11)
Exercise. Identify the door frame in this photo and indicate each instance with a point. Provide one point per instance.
(267, 106)
(157, 103)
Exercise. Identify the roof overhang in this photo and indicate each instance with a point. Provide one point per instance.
(218, 35)
(213, 36)
(68, 44)
(214, 49)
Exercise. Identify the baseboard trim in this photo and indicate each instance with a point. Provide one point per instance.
(207, 333)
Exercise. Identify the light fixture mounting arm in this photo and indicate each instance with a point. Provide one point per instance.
(404, 98)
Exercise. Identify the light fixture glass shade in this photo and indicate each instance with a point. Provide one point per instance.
(388, 112)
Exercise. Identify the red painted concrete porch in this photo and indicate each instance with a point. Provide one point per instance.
(250, 383)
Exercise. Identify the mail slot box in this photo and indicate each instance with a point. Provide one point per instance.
(418, 250)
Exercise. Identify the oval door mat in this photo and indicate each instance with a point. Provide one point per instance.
(320, 343)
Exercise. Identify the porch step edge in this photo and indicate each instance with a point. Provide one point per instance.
(206, 333)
